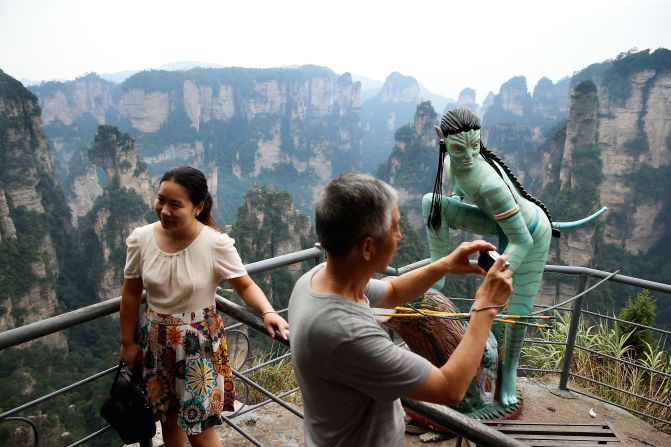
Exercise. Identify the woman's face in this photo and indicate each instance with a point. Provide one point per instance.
(463, 148)
(173, 206)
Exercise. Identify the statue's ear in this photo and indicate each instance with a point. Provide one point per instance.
(439, 132)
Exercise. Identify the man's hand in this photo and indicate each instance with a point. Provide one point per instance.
(458, 261)
(496, 289)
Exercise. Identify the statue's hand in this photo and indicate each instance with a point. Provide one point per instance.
(458, 261)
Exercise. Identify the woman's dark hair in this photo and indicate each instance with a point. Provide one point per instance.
(195, 183)
(462, 120)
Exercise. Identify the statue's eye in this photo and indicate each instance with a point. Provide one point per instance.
(457, 148)
(476, 145)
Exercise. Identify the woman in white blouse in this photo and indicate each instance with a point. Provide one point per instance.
(180, 261)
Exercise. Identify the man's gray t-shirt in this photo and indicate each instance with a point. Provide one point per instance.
(350, 372)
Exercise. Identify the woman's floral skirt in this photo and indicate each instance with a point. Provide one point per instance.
(186, 367)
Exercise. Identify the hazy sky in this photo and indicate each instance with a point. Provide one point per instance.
(446, 45)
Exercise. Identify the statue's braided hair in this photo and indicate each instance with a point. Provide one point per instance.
(490, 157)
(462, 120)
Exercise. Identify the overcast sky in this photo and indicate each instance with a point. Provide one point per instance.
(446, 45)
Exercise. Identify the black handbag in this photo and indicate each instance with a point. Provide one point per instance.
(127, 408)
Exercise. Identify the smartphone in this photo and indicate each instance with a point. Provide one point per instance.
(487, 259)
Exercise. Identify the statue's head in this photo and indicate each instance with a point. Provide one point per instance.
(460, 131)
(459, 134)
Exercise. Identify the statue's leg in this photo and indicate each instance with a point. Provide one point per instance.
(526, 282)
(454, 214)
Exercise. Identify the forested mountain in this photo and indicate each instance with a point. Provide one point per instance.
(382, 114)
(268, 225)
(33, 214)
(294, 127)
(47, 267)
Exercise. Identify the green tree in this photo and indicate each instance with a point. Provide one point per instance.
(640, 310)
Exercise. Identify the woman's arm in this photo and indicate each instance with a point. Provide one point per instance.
(254, 297)
(131, 296)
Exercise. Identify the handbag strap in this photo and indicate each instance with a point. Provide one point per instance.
(135, 373)
(118, 370)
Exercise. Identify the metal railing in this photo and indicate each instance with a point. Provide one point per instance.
(452, 420)
(577, 312)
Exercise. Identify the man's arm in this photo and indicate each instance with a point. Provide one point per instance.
(448, 384)
(408, 286)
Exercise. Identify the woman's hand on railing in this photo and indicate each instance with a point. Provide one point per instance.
(273, 321)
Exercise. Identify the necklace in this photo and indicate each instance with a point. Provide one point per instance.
(174, 246)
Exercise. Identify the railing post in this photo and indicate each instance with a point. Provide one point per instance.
(572, 333)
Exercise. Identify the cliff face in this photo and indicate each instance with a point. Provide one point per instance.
(28, 266)
(515, 122)
(576, 247)
(551, 101)
(68, 102)
(634, 137)
(251, 126)
(467, 99)
(412, 165)
(625, 122)
(381, 115)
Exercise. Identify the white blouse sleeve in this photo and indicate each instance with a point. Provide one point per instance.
(227, 262)
(133, 267)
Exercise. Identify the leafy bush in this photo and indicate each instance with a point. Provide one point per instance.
(640, 310)
(585, 87)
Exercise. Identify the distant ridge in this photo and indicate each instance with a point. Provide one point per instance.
(121, 76)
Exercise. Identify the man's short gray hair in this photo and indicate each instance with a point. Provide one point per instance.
(351, 207)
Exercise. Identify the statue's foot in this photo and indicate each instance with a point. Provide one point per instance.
(507, 390)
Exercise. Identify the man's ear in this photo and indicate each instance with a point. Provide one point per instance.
(367, 248)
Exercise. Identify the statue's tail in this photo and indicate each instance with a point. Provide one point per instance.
(581, 222)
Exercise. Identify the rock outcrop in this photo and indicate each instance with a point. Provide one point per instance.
(267, 226)
(467, 99)
(123, 205)
(411, 167)
(381, 115)
(515, 122)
